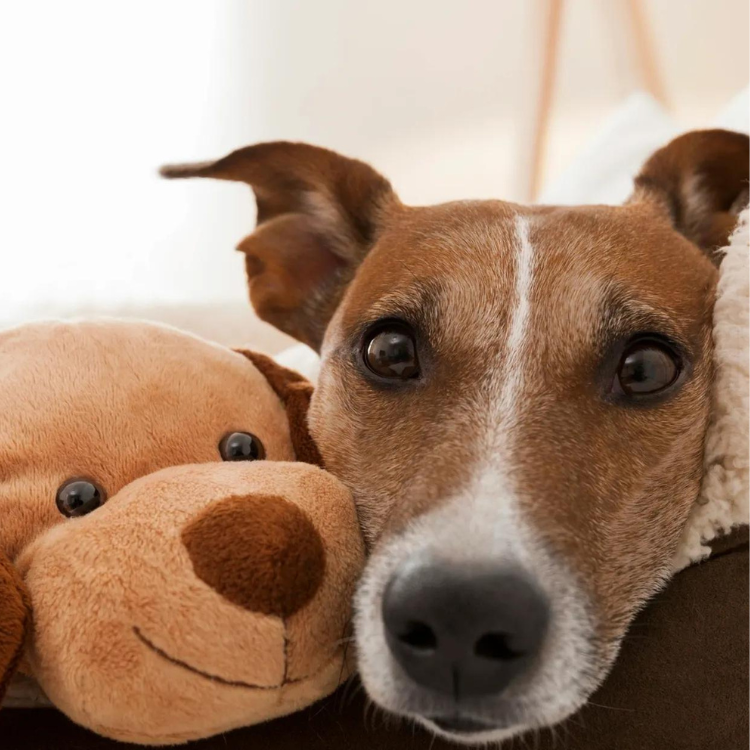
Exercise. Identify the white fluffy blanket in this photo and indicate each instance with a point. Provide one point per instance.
(723, 501)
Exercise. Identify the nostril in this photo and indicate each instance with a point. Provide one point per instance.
(419, 636)
(476, 627)
(496, 646)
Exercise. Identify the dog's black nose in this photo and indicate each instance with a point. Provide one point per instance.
(463, 629)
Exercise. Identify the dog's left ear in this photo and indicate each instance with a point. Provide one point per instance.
(295, 393)
(700, 180)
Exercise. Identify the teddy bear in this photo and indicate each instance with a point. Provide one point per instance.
(174, 562)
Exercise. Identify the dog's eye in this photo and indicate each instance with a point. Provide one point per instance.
(647, 367)
(390, 351)
(241, 446)
(77, 497)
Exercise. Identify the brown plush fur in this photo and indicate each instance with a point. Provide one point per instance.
(15, 621)
(134, 635)
(260, 552)
(295, 393)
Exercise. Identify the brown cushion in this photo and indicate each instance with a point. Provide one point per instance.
(680, 683)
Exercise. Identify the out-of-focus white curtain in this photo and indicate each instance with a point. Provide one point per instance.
(437, 94)
(95, 95)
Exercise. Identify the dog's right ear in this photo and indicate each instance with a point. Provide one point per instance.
(699, 181)
(318, 215)
(15, 622)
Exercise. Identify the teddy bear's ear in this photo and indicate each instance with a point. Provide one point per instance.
(15, 621)
(295, 393)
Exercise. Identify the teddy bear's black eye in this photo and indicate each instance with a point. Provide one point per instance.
(241, 446)
(77, 497)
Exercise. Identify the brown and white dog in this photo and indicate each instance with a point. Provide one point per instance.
(518, 398)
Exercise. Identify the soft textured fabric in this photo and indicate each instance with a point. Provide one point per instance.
(725, 493)
(130, 642)
(295, 393)
(134, 636)
(15, 621)
(115, 400)
(259, 551)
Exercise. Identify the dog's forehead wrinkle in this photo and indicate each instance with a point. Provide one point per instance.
(416, 299)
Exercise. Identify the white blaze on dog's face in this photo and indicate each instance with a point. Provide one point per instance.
(518, 399)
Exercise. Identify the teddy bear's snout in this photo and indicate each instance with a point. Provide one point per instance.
(260, 552)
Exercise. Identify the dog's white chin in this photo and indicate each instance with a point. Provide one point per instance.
(541, 718)
(493, 736)
(568, 669)
(396, 694)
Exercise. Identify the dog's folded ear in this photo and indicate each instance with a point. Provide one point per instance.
(295, 393)
(318, 215)
(700, 180)
(15, 622)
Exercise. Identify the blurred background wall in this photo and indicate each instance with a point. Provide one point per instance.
(440, 95)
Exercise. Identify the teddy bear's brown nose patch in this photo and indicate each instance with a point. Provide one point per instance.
(260, 552)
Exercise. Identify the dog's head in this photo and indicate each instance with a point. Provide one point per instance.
(518, 398)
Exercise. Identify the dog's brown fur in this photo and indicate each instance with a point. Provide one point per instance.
(606, 486)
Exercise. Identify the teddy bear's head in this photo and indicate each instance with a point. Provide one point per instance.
(163, 575)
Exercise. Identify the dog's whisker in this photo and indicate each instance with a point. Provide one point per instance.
(610, 708)
(342, 641)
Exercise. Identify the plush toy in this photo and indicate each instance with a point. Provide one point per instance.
(167, 570)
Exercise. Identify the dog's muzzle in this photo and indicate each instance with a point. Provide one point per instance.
(463, 630)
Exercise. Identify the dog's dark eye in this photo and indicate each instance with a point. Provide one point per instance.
(241, 446)
(647, 367)
(390, 351)
(77, 497)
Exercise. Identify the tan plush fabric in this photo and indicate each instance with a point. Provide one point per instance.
(128, 639)
(114, 400)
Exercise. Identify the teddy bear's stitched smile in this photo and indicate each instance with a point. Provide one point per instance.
(221, 680)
